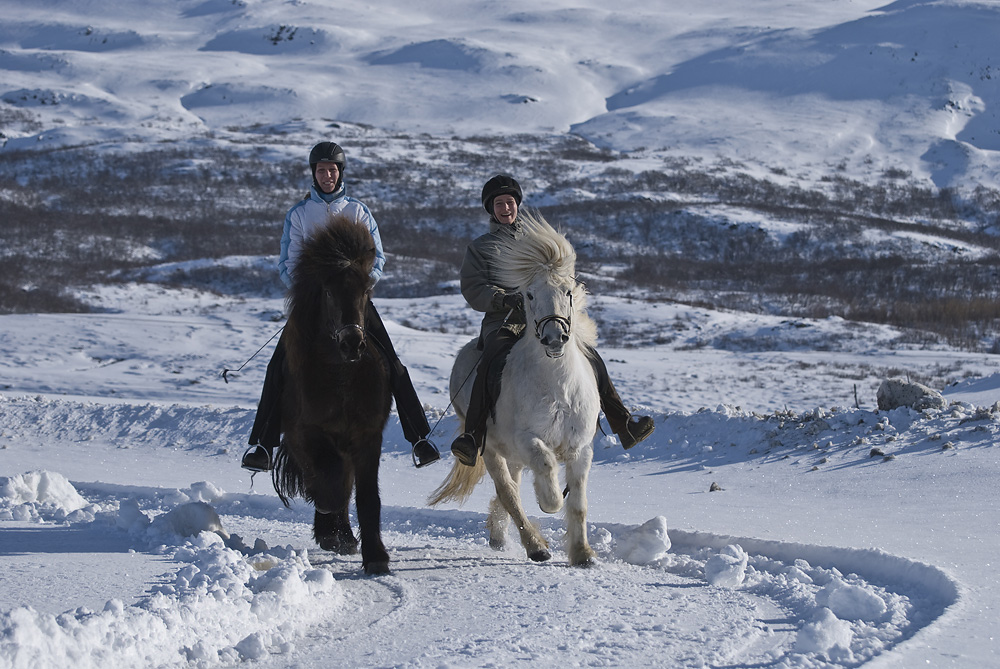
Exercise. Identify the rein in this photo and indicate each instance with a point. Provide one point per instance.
(226, 370)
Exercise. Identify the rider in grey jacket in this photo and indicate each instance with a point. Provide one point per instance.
(503, 325)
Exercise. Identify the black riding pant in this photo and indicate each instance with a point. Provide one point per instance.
(266, 429)
(486, 387)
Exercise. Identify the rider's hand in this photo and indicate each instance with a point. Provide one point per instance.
(513, 301)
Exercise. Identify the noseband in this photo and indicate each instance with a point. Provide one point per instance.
(562, 320)
(338, 336)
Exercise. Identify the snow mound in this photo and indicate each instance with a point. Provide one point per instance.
(826, 634)
(645, 544)
(728, 567)
(851, 602)
(39, 494)
(225, 604)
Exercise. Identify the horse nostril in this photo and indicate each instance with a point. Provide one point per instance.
(564, 338)
(362, 346)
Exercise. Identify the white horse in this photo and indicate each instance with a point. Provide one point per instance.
(547, 411)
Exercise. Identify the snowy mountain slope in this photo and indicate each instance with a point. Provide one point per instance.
(858, 87)
(774, 518)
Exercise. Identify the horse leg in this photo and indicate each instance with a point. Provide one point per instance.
(328, 485)
(577, 472)
(498, 520)
(332, 531)
(546, 470)
(374, 557)
(509, 495)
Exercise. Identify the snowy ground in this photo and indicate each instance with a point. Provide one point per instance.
(131, 537)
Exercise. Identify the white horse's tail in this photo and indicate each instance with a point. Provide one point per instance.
(461, 481)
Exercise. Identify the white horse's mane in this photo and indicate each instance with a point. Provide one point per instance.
(544, 250)
(540, 249)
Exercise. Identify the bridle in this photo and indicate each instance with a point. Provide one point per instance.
(338, 336)
(565, 321)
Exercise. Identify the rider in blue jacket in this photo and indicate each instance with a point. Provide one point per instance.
(327, 197)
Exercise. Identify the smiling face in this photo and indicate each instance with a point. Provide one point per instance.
(505, 209)
(327, 175)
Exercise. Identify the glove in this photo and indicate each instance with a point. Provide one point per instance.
(513, 301)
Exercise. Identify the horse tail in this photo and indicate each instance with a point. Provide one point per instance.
(461, 481)
(287, 477)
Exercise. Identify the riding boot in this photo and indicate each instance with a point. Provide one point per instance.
(265, 435)
(630, 430)
(412, 418)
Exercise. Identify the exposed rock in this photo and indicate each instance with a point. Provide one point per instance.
(895, 393)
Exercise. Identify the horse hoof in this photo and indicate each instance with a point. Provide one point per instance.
(377, 568)
(589, 563)
(335, 545)
(497, 544)
(540, 555)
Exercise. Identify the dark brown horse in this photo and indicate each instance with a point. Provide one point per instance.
(336, 399)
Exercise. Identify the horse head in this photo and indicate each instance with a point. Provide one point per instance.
(342, 310)
(329, 298)
(548, 304)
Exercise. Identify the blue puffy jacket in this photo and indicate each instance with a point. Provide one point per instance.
(312, 213)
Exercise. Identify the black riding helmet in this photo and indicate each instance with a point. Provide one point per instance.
(501, 184)
(328, 152)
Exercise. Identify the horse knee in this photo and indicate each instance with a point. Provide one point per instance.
(550, 504)
(550, 499)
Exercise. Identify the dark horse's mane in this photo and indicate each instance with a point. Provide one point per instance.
(343, 251)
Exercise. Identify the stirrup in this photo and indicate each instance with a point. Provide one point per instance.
(424, 453)
(257, 459)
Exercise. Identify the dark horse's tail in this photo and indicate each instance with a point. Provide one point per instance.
(287, 477)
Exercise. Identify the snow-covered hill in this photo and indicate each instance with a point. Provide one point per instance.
(854, 87)
(775, 518)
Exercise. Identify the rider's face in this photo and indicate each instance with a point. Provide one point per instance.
(505, 209)
(327, 175)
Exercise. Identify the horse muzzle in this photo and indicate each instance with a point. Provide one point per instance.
(350, 341)
(553, 334)
(555, 351)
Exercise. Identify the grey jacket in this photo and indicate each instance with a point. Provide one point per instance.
(479, 284)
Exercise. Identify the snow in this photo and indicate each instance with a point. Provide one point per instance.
(775, 518)
(131, 536)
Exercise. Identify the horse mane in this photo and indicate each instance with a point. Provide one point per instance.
(342, 251)
(541, 249)
(544, 250)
